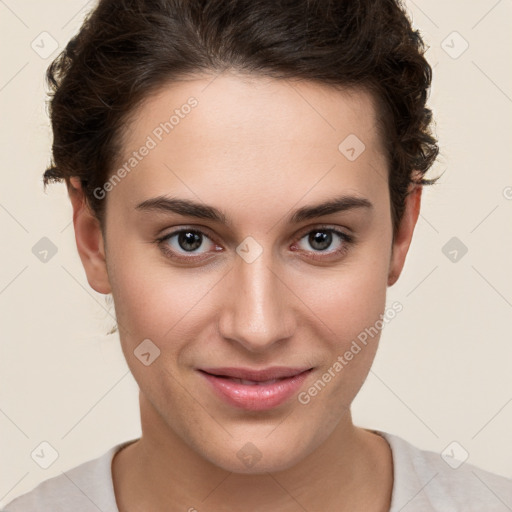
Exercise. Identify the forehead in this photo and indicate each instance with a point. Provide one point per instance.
(243, 139)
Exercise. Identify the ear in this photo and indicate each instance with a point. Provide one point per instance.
(89, 239)
(403, 236)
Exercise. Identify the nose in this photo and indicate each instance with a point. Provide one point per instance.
(257, 311)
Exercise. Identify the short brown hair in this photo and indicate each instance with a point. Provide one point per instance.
(128, 49)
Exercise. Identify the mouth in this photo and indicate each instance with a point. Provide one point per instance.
(255, 390)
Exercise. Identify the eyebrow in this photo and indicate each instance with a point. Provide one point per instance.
(190, 208)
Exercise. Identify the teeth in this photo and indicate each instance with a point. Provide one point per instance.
(255, 383)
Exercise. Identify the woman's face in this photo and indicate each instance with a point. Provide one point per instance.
(258, 287)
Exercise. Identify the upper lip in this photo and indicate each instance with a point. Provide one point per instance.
(275, 372)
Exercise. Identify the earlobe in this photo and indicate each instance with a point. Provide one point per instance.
(404, 234)
(89, 239)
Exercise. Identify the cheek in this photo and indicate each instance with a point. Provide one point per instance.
(160, 307)
(350, 305)
(157, 304)
(169, 306)
(351, 298)
(353, 313)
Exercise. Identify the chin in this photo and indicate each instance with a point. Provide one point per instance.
(259, 455)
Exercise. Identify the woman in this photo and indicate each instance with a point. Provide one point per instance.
(246, 177)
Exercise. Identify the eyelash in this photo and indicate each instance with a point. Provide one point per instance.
(347, 241)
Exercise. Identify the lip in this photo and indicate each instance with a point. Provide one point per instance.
(261, 395)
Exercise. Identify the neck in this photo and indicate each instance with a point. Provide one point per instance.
(351, 470)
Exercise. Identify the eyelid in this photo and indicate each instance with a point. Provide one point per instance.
(195, 229)
(327, 227)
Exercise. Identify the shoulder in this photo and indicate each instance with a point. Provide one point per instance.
(427, 481)
(84, 488)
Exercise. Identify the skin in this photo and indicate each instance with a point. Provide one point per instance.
(257, 149)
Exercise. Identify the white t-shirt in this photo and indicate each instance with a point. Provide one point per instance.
(423, 482)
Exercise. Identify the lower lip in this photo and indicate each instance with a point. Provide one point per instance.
(256, 397)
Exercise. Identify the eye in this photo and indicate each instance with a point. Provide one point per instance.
(187, 244)
(321, 239)
(179, 243)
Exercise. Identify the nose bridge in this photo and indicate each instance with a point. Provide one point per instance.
(258, 313)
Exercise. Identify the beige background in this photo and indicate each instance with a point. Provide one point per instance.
(443, 370)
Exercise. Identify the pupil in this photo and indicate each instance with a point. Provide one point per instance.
(189, 241)
(321, 238)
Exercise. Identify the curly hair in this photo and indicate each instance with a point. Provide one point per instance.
(128, 49)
